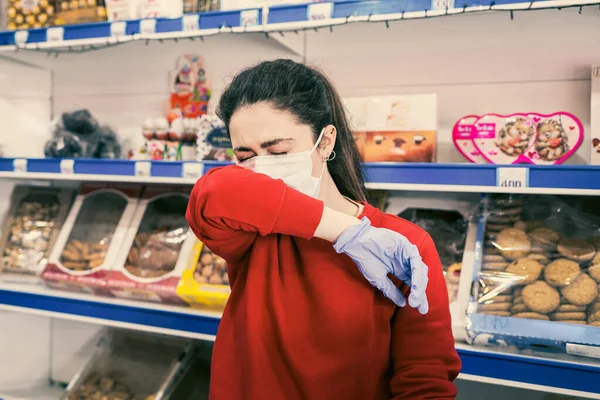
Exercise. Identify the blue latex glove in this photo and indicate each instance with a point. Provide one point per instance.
(379, 252)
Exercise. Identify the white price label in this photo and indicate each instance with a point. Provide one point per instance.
(249, 18)
(67, 167)
(20, 165)
(319, 11)
(55, 34)
(142, 169)
(190, 22)
(192, 170)
(512, 177)
(118, 28)
(442, 4)
(148, 26)
(21, 37)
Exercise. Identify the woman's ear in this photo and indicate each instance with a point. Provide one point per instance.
(328, 140)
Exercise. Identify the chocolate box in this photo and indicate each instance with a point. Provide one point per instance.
(394, 128)
(89, 243)
(156, 249)
(30, 229)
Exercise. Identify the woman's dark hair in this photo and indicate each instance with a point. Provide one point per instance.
(308, 95)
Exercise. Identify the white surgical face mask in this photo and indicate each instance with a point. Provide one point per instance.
(294, 169)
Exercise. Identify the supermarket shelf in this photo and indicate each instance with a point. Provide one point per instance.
(561, 374)
(560, 179)
(106, 311)
(273, 19)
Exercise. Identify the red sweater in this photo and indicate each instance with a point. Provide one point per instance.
(302, 323)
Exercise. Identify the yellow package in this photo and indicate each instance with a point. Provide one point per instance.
(205, 284)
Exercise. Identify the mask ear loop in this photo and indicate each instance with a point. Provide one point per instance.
(325, 160)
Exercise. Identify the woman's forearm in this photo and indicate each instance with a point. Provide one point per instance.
(333, 223)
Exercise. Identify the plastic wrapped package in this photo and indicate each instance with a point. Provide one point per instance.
(205, 284)
(88, 244)
(30, 230)
(157, 248)
(448, 218)
(195, 6)
(131, 366)
(194, 382)
(538, 284)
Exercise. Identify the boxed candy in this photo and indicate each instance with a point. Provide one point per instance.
(79, 11)
(88, 244)
(394, 128)
(33, 222)
(30, 14)
(205, 284)
(156, 249)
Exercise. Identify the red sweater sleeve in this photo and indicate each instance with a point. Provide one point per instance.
(230, 206)
(424, 359)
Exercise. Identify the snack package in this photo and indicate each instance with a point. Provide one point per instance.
(131, 366)
(32, 224)
(242, 4)
(30, 14)
(205, 284)
(595, 116)
(88, 245)
(156, 249)
(190, 90)
(196, 6)
(528, 138)
(394, 128)
(161, 8)
(539, 276)
(77, 12)
(122, 10)
(463, 134)
(449, 220)
(213, 141)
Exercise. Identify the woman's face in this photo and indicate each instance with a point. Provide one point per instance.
(260, 130)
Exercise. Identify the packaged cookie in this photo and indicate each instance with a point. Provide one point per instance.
(79, 11)
(130, 365)
(462, 137)
(156, 249)
(448, 219)
(529, 138)
(538, 261)
(205, 284)
(30, 229)
(88, 244)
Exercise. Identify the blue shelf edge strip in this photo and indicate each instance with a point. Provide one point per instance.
(235, 18)
(113, 312)
(508, 367)
(556, 177)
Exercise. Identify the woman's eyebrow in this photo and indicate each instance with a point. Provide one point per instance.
(269, 143)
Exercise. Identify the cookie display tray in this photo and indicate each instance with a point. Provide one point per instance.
(472, 178)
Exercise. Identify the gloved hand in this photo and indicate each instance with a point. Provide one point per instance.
(379, 252)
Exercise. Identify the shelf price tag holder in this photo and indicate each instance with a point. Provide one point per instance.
(67, 167)
(148, 26)
(192, 170)
(55, 34)
(118, 29)
(319, 11)
(512, 177)
(249, 18)
(20, 165)
(142, 169)
(190, 23)
(21, 37)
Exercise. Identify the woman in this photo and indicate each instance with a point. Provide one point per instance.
(303, 322)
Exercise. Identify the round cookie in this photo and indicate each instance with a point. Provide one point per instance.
(565, 308)
(453, 273)
(546, 237)
(503, 298)
(539, 257)
(576, 250)
(520, 225)
(596, 259)
(527, 268)
(519, 308)
(493, 258)
(595, 323)
(561, 272)
(595, 317)
(494, 307)
(594, 272)
(567, 316)
(582, 291)
(498, 313)
(576, 322)
(513, 243)
(532, 315)
(541, 297)
(495, 266)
